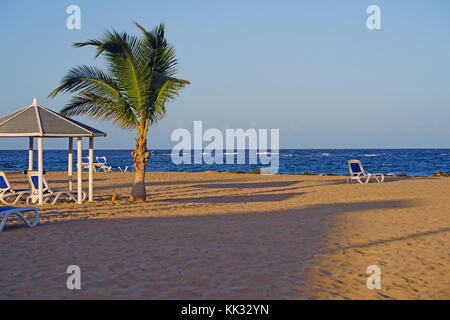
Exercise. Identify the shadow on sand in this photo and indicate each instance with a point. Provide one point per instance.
(254, 255)
(237, 198)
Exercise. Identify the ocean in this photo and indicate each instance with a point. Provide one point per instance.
(413, 162)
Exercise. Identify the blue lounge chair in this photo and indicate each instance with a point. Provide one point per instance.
(357, 173)
(96, 165)
(50, 196)
(6, 212)
(8, 195)
(85, 163)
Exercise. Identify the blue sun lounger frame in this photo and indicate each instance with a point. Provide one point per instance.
(6, 212)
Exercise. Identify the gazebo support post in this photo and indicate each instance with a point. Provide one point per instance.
(79, 169)
(91, 168)
(30, 154)
(70, 164)
(40, 172)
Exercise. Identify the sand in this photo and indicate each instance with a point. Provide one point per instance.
(235, 236)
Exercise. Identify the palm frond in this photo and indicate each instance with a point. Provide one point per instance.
(136, 86)
(85, 78)
(101, 108)
(168, 91)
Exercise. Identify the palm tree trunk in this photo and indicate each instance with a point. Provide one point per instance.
(141, 156)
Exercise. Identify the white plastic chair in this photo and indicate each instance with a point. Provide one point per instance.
(357, 173)
(7, 192)
(102, 165)
(6, 212)
(48, 193)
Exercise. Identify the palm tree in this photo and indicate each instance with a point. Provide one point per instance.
(133, 91)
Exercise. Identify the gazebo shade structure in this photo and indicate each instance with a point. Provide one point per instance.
(35, 121)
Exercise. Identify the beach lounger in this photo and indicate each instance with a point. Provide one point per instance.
(96, 165)
(50, 196)
(124, 169)
(108, 168)
(6, 212)
(357, 173)
(85, 163)
(102, 165)
(7, 194)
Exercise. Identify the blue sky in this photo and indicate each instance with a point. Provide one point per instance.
(310, 68)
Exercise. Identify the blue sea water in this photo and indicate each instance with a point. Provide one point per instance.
(413, 162)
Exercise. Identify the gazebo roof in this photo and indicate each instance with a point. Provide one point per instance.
(37, 121)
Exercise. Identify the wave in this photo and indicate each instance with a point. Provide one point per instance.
(373, 155)
(172, 154)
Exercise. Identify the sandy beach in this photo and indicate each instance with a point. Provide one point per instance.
(235, 236)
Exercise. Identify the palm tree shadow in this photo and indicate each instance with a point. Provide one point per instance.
(249, 185)
(237, 198)
(395, 239)
(159, 183)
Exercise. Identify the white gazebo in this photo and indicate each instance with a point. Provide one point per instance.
(35, 121)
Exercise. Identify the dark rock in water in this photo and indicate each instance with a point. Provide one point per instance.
(402, 175)
(440, 174)
(306, 174)
(255, 171)
(8, 166)
(331, 174)
(237, 171)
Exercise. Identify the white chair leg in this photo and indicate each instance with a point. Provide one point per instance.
(3, 200)
(69, 194)
(58, 195)
(19, 197)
